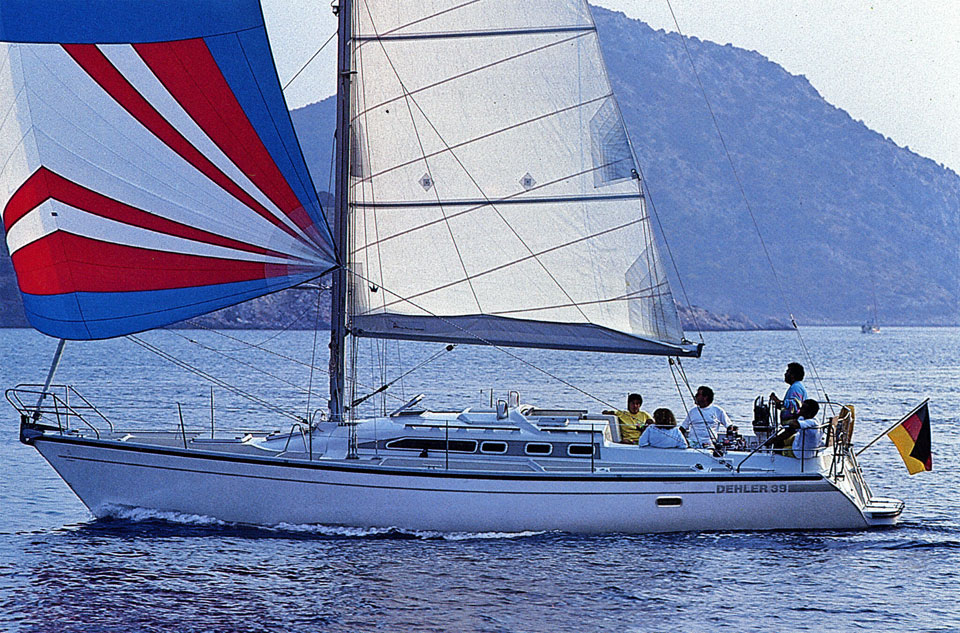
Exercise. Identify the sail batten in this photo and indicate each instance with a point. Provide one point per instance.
(518, 213)
(479, 202)
(155, 174)
(441, 35)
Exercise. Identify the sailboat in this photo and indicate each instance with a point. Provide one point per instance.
(873, 325)
(486, 193)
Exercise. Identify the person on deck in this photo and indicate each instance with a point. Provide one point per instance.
(663, 433)
(795, 396)
(704, 421)
(806, 440)
(632, 420)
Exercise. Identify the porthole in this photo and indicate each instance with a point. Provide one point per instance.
(580, 450)
(497, 448)
(538, 448)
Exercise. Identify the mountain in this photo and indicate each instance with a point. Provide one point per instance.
(841, 208)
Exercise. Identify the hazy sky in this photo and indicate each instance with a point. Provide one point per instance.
(891, 63)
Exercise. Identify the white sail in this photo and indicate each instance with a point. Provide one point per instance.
(494, 194)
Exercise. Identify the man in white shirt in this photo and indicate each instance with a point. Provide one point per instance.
(704, 421)
(807, 439)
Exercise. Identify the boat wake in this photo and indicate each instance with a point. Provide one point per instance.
(145, 516)
(399, 533)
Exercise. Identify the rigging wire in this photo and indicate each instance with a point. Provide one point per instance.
(313, 353)
(312, 57)
(220, 383)
(683, 375)
(385, 386)
(644, 188)
(240, 362)
(484, 341)
(746, 202)
(312, 365)
(195, 323)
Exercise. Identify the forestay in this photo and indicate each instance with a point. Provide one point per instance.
(150, 171)
(494, 193)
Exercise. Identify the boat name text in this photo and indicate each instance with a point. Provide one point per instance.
(750, 488)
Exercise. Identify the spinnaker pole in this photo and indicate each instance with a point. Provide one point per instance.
(46, 385)
(338, 309)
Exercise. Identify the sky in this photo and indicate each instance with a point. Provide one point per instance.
(890, 63)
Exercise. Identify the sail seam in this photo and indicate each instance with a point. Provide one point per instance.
(476, 208)
(119, 88)
(643, 293)
(468, 202)
(450, 148)
(311, 190)
(69, 272)
(476, 70)
(431, 16)
(443, 35)
(532, 255)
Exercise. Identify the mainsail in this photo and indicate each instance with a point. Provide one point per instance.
(494, 193)
(149, 171)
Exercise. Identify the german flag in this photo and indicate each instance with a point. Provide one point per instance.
(912, 439)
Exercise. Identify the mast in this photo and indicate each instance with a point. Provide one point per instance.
(338, 308)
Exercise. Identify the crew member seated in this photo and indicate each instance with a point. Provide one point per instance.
(806, 439)
(632, 420)
(663, 433)
(704, 421)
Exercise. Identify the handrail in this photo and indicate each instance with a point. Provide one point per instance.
(59, 408)
(782, 434)
(299, 427)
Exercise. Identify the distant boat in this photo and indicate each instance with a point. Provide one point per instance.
(487, 193)
(873, 325)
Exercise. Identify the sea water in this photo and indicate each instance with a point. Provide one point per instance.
(141, 570)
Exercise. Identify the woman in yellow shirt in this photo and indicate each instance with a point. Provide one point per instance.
(633, 420)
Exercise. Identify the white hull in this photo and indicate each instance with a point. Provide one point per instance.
(271, 491)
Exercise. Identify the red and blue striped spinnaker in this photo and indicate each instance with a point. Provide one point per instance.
(149, 170)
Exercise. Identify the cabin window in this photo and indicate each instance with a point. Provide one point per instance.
(422, 443)
(580, 450)
(539, 448)
(498, 448)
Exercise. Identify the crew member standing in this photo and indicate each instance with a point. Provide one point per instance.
(795, 395)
